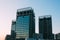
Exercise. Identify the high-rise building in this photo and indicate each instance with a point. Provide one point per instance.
(45, 26)
(13, 30)
(25, 23)
(13, 27)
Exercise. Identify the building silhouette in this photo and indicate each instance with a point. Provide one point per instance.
(13, 25)
(57, 36)
(24, 26)
(13, 30)
(45, 26)
(8, 37)
(25, 23)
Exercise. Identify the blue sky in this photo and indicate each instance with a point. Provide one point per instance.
(8, 9)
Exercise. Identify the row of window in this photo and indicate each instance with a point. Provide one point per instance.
(25, 12)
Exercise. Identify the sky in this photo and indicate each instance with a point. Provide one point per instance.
(8, 9)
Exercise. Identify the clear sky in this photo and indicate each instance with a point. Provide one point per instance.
(8, 9)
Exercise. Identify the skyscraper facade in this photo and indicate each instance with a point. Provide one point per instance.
(13, 27)
(25, 23)
(13, 30)
(45, 26)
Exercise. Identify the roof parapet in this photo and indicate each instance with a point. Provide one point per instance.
(24, 9)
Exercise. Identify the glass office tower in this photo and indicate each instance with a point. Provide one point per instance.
(45, 26)
(13, 25)
(13, 30)
(25, 23)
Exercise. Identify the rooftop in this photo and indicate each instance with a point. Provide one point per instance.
(46, 16)
(24, 9)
